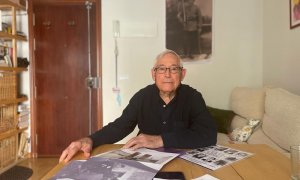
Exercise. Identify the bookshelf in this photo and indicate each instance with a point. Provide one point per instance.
(7, 36)
(9, 95)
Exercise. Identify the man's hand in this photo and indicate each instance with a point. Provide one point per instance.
(144, 140)
(84, 144)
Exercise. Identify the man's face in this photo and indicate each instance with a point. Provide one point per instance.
(168, 81)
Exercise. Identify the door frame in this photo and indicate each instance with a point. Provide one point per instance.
(33, 119)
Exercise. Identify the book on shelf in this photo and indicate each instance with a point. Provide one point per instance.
(0, 20)
(23, 145)
(8, 60)
(24, 115)
(3, 63)
(24, 118)
(119, 164)
(23, 124)
(2, 43)
(215, 157)
(2, 51)
(23, 108)
(5, 28)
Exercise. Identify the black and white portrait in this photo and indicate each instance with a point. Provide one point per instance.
(189, 28)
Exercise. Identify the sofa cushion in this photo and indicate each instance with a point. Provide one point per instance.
(248, 102)
(281, 122)
(223, 138)
(222, 118)
(259, 137)
(238, 122)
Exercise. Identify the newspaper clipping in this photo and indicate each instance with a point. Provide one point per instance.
(215, 157)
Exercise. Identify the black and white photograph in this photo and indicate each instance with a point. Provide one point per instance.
(189, 29)
(231, 151)
(241, 154)
(152, 158)
(106, 169)
(209, 159)
(199, 156)
(221, 148)
(215, 157)
(118, 164)
(205, 148)
(231, 159)
(193, 152)
(220, 163)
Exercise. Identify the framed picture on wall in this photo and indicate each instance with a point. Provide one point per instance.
(189, 29)
(294, 13)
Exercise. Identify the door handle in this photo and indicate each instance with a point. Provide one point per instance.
(92, 82)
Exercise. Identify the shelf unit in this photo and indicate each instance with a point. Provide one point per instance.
(9, 96)
(13, 7)
(7, 36)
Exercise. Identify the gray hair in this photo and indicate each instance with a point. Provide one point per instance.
(165, 52)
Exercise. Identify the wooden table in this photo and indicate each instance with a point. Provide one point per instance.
(266, 163)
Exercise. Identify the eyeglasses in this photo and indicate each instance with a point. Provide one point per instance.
(172, 69)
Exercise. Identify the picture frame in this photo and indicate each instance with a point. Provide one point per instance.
(189, 29)
(294, 13)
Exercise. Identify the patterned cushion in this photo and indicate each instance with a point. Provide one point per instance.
(242, 134)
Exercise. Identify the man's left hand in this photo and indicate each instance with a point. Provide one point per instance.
(144, 140)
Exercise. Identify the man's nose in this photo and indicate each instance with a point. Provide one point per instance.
(168, 72)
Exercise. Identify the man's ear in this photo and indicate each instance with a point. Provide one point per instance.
(153, 74)
(183, 72)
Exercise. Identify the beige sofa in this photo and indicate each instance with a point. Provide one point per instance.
(278, 111)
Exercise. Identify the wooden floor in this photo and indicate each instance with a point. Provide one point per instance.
(40, 166)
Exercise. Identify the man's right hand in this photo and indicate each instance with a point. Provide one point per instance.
(84, 144)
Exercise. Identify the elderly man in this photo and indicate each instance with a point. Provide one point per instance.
(168, 114)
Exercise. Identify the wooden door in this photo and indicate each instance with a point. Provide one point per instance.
(61, 67)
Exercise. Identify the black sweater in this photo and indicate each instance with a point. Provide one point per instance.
(183, 123)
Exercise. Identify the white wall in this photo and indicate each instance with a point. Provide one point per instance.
(281, 53)
(237, 53)
(135, 54)
(236, 61)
